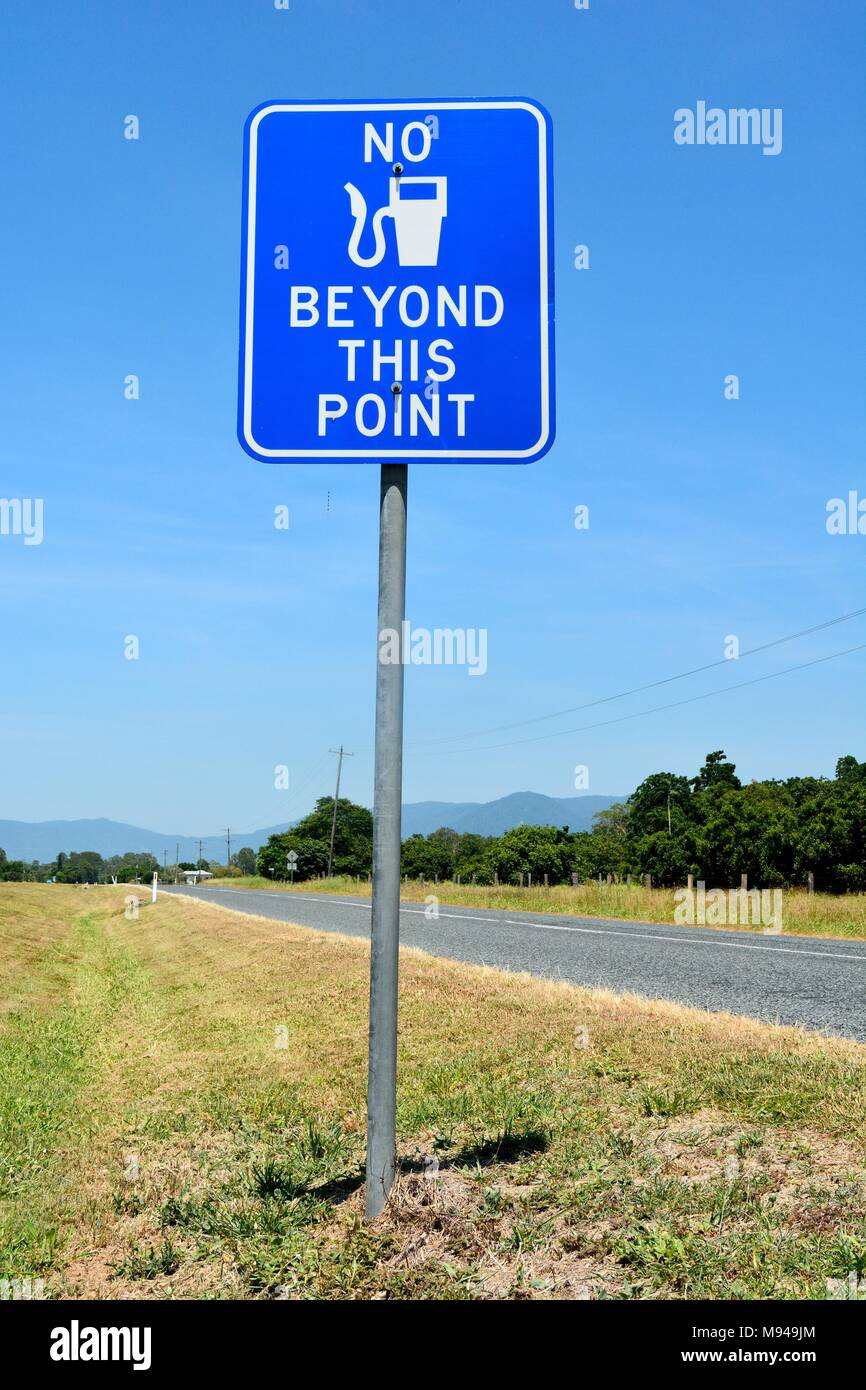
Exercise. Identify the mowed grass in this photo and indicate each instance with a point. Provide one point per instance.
(803, 913)
(32, 927)
(182, 1116)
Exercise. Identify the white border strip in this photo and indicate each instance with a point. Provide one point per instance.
(376, 454)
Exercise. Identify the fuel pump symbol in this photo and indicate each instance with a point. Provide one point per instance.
(417, 215)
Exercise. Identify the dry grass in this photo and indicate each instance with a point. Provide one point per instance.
(159, 1140)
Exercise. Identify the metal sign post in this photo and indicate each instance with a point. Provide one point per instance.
(387, 797)
(396, 307)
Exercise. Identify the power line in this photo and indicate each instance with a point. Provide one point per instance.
(293, 796)
(652, 685)
(308, 780)
(657, 709)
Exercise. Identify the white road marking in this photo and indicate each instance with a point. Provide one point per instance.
(557, 926)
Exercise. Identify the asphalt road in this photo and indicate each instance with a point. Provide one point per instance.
(810, 981)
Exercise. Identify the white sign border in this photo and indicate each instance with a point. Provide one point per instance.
(375, 455)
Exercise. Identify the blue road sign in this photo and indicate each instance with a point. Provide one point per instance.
(397, 282)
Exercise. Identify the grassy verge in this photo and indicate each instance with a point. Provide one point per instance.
(183, 1111)
(803, 914)
(58, 1033)
(32, 928)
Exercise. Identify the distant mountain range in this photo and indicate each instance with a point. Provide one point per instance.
(44, 840)
(495, 817)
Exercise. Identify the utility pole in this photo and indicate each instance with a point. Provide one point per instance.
(387, 795)
(199, 854)
(669, 813)
(228, 848)
(341, 754)
(176, 860)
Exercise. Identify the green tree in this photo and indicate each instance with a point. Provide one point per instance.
(660, 829)
(11, 870)
(746, 830)
(849, 770)
(245, 859)
(353, 838)
(715, 773)
(607, 848)
(272, 858)
(659, 795)
(445, 854)
(424, 856)
(81, 866)
(532, 849)
(830, 829)
(128, 867)
(469, 852)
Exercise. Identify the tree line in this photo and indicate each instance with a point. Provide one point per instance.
(778, 832)
(87, 866)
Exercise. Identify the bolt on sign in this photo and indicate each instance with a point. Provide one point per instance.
(397, 282)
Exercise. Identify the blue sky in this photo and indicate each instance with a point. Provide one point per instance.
(257, 646)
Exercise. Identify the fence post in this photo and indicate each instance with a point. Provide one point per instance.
(647, 880)
(545, 881)
(811, 882)
(691, 882)
(744, 881)
(574, 880)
